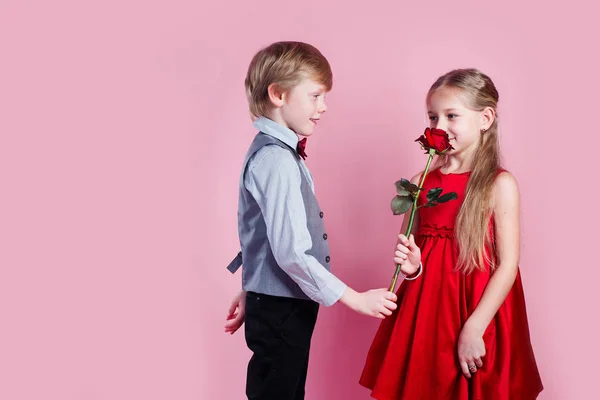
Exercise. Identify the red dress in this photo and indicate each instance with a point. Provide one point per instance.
(414, 353)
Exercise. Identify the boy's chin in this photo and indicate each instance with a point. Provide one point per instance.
(306, 132)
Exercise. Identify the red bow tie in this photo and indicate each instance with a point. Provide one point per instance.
(301, 148)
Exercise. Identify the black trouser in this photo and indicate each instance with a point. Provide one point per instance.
(278, 331)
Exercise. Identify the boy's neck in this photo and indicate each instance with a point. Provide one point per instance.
(275, 116)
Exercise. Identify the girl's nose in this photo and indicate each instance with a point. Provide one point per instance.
(440, 124)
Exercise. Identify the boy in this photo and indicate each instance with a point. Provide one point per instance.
(282, 235)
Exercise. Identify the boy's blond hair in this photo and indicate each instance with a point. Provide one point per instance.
(284, 64)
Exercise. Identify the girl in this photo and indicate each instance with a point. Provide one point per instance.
(461, 329)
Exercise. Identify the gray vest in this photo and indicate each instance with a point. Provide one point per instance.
(260, 271)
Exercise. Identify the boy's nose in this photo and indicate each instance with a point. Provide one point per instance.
(322, 105)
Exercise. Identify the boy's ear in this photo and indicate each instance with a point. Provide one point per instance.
(275, 95)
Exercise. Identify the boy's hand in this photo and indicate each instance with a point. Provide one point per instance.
(236, 313)
(408, 255)
(378, 303)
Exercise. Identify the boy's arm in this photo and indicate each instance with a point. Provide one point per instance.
(273, 178)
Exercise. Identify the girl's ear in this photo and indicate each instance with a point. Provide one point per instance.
(488, 116)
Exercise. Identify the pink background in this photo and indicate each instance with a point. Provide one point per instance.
(123, 127)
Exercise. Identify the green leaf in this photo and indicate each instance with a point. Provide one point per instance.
(433, 194)
(400, 189)
(430, 204)
(447, 197)
(401, 204)
(408, 186)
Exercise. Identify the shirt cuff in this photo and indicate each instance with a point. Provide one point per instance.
(331, 293)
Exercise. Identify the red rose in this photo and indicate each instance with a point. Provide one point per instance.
(436, 139)
(433, 141)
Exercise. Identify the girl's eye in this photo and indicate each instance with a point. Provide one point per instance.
(452, 116)
(432, 118)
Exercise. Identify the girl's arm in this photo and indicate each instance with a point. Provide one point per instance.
(505, 203)
(407, 253)
(415, 179)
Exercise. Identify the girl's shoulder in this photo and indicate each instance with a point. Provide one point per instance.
(417, 178)
(505, 189)
(504, 177)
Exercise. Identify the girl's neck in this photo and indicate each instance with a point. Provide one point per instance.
(457, 164)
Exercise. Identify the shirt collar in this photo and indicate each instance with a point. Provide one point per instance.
(278, 131)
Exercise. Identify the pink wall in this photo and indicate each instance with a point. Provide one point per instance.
(124, 125)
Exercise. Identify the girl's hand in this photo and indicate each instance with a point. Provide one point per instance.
(471, 349)
(408, 255)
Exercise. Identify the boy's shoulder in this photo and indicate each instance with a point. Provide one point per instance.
(274, 152)
(273, 157)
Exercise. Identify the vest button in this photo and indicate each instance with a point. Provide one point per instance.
(321, 214)
(327, 259)
(325, 236)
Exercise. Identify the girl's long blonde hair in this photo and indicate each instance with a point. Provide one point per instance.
(472, 230)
